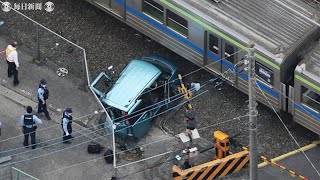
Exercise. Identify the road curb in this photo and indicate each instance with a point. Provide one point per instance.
(289, 154)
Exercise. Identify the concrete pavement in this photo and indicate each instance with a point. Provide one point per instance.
(297, 163)
(95, 169)
(64, 91)
(10, 112)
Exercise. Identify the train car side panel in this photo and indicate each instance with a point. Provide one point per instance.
(307, 103)
(111, 6)
(168, 28)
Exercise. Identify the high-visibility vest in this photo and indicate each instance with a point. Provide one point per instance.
(8, 51)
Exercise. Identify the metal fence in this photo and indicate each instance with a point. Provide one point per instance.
(45, 46)
(12, 173)
(20, 175)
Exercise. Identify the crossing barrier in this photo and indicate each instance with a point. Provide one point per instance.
(213, 169)
(291, 172)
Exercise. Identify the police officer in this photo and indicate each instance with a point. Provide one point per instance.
(29, 124)
(43, 95)
(12, 61)
(66, 125)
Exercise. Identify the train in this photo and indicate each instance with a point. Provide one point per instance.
(286, 35)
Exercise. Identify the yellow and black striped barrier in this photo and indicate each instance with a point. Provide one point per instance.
(292, 173)
(184, 90)
(213, 169)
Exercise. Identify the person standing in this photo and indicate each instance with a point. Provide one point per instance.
(190, 122)
(12, 61)
(66, 125)
(43, 95)
(186, 163)
(29, 124)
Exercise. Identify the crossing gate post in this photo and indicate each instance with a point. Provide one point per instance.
(185, 91)
(221, 141)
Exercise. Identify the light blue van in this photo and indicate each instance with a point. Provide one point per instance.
(130, 99)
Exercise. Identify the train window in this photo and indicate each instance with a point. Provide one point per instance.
(153, 9)
(177, 23)
(264, 73)
(229, 52)
(214, 44)
(310, 98)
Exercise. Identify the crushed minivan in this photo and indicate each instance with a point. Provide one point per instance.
(136, 97)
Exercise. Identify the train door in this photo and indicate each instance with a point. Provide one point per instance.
(114, 6)
(213, 52)
(289, 102)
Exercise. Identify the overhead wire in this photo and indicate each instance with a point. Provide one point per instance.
(46, 154)
(236, 118)
(84, 130)
(130, 117)
(167, 110)
(122, 116)
(45, 128)
(184, 76)
(119, 152)
(296, 142)
(93, 126)
(198, 69)
(145, 159)
(141, 95)
(146, 144)
(192, 89)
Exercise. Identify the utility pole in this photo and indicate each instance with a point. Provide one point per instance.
(252, 115)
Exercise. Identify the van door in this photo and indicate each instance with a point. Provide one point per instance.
(139, 120)
(114, 6)
(102, 84)
(142, 125)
